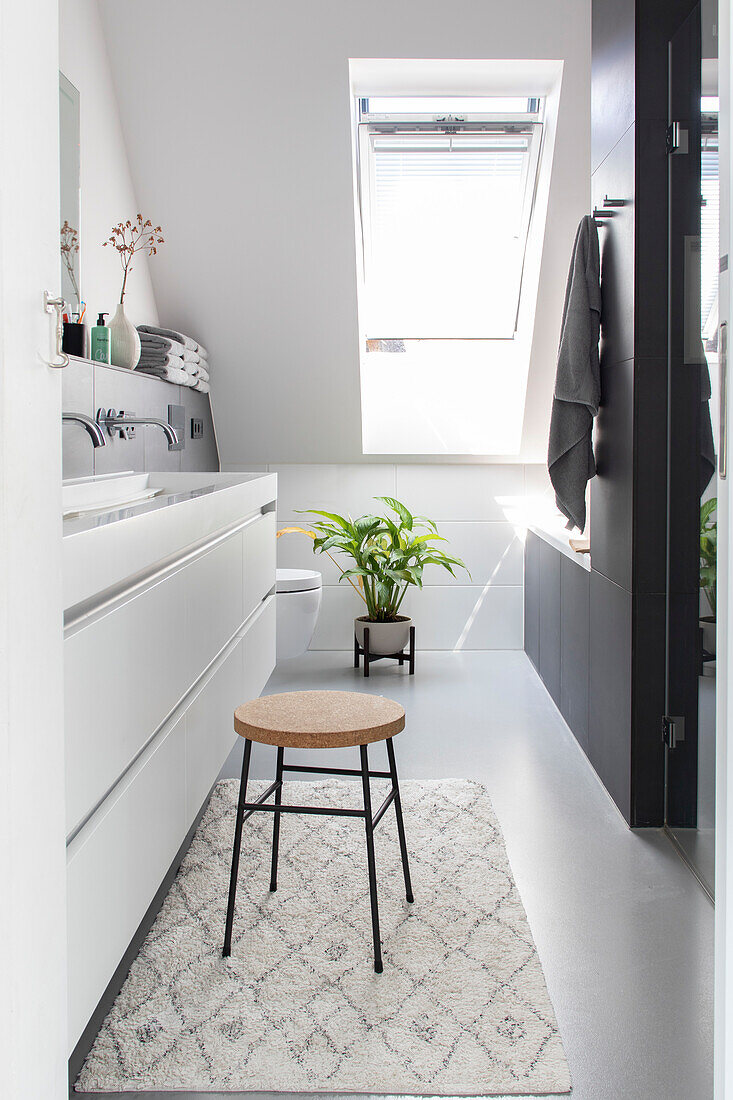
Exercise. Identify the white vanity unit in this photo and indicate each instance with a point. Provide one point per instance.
(169, 584)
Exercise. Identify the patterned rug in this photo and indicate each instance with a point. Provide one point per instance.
(461, 1008)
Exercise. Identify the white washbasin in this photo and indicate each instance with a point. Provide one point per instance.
(83, 495)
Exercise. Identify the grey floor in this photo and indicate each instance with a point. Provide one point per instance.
(624, 932)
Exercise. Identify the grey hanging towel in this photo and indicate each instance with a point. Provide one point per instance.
(578, 379)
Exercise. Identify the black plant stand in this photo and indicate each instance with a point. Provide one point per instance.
(404, 655)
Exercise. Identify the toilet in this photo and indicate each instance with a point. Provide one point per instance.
(298, 604)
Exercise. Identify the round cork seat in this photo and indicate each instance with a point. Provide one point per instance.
(319, 719)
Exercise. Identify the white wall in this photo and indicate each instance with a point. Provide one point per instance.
(237, 121)
(32, 853)
(107, 193)
(478, 508)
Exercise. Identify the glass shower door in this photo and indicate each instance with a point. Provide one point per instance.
(692, 385)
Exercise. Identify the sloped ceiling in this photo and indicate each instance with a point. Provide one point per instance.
(237, 123)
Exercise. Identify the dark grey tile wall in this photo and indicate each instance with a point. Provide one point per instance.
(613, 103)
(629, 98)
(87, 386)
(648, 675)
(615, 179)
(612, 491)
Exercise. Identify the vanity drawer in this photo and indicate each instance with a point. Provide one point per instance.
(214, 604)
(209, 728)
(259, 653)
(259, 561)
(125, 672)
(115, 867)
(210, 732)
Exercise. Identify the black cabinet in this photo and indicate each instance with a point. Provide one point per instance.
(550, 656)
(575, 647)
(557, 627)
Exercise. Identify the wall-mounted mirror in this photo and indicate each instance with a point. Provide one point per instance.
(70, 204)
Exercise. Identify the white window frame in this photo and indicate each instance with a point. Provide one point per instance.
(371, 124)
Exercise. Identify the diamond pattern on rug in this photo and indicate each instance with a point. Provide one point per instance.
(461, 1008)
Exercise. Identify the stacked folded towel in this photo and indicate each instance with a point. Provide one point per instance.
(173, 356)
(171, 334)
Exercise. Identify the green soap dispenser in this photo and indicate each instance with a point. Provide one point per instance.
(100, 341)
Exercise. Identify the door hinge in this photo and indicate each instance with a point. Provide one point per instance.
(677, 138)
(673, 730)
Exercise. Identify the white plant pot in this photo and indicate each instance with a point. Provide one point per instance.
(384, 638)
(707, 622)
(124, 340)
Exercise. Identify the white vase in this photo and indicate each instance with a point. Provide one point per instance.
(707, 623)
(124, 340)
(384, 638)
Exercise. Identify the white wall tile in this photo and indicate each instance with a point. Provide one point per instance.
(472, 617)
(468, 503)
(459, 492)
(492, 550)
(336, 488)
(469, 618)
(537, 481)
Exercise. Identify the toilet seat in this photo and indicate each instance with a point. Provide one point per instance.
(298, 580)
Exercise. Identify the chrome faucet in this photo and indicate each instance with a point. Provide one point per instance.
(115, 421)
(91, 427)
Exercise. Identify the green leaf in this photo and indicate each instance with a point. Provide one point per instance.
(340, 520)
(366, 521)
(399, 508)
(420, 539)
(707, 509)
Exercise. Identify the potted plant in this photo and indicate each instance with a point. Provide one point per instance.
(389, 554)
(708, 572)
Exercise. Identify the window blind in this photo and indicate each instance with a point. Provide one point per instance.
(447, 231)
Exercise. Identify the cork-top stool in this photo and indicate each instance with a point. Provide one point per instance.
(319, 720)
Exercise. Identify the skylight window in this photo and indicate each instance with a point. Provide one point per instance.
(452, 162)
(446, 197)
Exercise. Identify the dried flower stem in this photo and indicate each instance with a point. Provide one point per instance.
(130, 237)
(69, 249)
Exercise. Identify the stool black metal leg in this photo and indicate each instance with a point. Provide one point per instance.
(400, 823)
(235, 852)
(366, 650)
(356, 652)
(370, 858)
(412, 651)
(276, 822)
